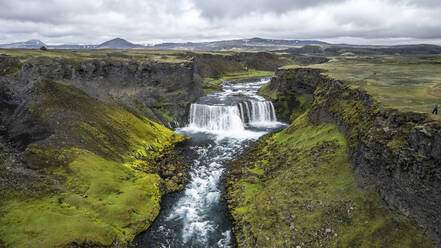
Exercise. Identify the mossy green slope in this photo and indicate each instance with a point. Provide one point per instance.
(101, 184)
(288, 105)
(297, 189)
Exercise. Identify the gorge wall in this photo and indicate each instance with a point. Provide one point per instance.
(77, 166)
(394, 153)
(160, 91)
(84, 155)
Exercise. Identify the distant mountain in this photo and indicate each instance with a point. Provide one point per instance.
(254, 44)
(294, 47)
(30, 44)
(72, 47)
(118, 43)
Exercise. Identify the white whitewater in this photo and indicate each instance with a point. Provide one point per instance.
(212, 118)
(232, 121)
(258, 113)
(197, 216)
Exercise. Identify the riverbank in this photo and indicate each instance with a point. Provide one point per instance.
(221, 126)
(381, 151)
(296, 188)
(94, 180)
(85, 156)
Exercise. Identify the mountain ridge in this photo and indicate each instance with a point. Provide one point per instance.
(30, 44)
(254, 44)
(117, 43)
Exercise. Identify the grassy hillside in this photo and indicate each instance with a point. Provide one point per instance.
(297, 189)
(99, 179)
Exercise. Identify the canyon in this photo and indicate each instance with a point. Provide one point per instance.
(103, 144)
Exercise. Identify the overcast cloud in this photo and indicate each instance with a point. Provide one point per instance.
(149, 21)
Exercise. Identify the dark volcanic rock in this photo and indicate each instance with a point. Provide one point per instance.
(395, 153)
(159, 90)
(17, 125)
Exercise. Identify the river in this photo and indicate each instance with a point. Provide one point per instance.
(221, 126)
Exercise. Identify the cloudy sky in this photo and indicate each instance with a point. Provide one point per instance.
(152, 21)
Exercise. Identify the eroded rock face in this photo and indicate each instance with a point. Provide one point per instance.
(161, 91)
(54, 137)
(397, 154)
(58, 114)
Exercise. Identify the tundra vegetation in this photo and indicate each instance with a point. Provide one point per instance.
(97, 172)
(296, 188)
(99, 179)
(407, 83)
(85, 168)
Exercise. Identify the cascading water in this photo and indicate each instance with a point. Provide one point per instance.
(215, 118)
(221, 126)
(221, 118)
(257, 112)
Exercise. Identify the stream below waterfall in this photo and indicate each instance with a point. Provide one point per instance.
(221, 125)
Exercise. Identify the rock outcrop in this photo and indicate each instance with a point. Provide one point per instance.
(296, 188)
(83, 159)
(161, 91)
(82, 139)
(395, 153)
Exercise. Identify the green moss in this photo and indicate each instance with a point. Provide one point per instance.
(161, 107)
(211, 84)
(396, 143)
(358, 115)
(10, 69)
(257, 170)
(307, 196)
(103, 194)
(247, 74)
(104, 201)
(303, 104)
(139, 106)
(266, 91)
(288, 106)
(105, 129)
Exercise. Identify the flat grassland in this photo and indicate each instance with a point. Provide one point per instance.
(408, 83)
(164, 56)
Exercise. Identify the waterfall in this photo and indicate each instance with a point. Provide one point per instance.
(232, 120)
(257, 112)
(242, 116)
(196, 216)
(215, 117)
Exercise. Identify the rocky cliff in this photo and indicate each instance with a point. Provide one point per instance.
(80, 167)
(394, 153)
(84, 154)
(84, 157)
(161, 91)
(296, 188)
